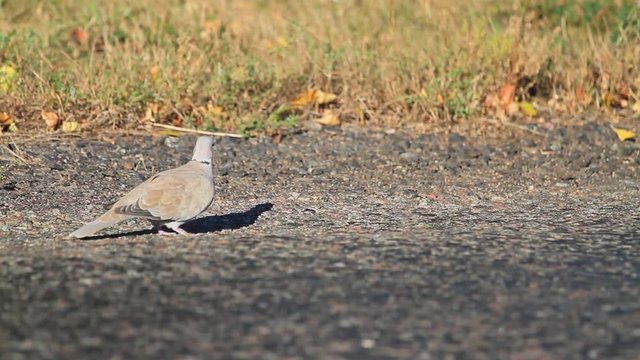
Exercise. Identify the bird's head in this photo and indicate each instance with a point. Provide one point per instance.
(203, 151)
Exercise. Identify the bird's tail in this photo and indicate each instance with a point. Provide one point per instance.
(95, 226)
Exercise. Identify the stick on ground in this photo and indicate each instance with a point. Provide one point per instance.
(194, 131)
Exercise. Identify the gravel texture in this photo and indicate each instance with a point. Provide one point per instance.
(330, 244)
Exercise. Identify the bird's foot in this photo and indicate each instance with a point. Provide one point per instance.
(175, 226)
(172, 228)
(180, 230)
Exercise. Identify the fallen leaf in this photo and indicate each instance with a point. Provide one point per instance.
(322, 97)
(507, 94)
(152, 112)
(70, 126)
(580, 93)
(51, 119)
(328, 119)
(624, 134)
(608, 99)
(7, 123)
(215, 110)
(209, 28)
(5, 119)
(527, 108)
(277, 44)
(311, 96)
(13, 127)
(148, 115)
(582, 96)
(304, 99)
(154, 107)
(513, 108)
(360, 113)
(282, 42)
(623, 91)
(154, 71)
(8, 78)
(277, 138)
(80, 36)
(491, 101)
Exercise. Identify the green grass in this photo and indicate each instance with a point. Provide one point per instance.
(391, 62)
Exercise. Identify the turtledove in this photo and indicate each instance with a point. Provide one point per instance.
(169, 198)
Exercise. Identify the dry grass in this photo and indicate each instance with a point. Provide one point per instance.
(231, 65)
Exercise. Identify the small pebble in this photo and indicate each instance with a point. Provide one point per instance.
(368, 343)
(455, 137)
(409, 156)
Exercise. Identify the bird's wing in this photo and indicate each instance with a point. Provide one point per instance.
(178, 194)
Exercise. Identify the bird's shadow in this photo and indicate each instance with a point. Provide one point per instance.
(206, 224)
(231, 221)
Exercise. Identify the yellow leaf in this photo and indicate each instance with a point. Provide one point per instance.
(304, 99)
(329, 119)
(282, 42)
(311, 96)
(277, 44)
(8, 77)
(13, 127)
(51, 119)
(360, 114)
(215, 110)
(154, 71)
(320, 97)
(8, 71)
(527, 108)
(70, 126)
(608, 99)
(624, 134)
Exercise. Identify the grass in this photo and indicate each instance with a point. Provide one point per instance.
(236, 65)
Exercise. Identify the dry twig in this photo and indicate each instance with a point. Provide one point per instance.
(513, 125)
(15, 154)
(194, 131)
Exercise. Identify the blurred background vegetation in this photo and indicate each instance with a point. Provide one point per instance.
(238, 65)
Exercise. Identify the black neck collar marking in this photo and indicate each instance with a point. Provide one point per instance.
(202, 161)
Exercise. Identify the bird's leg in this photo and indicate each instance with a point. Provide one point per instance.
(175, 226)
(181, 231)
(163, 232)
(158, 226)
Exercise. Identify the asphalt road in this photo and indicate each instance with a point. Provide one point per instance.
(329, 245)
